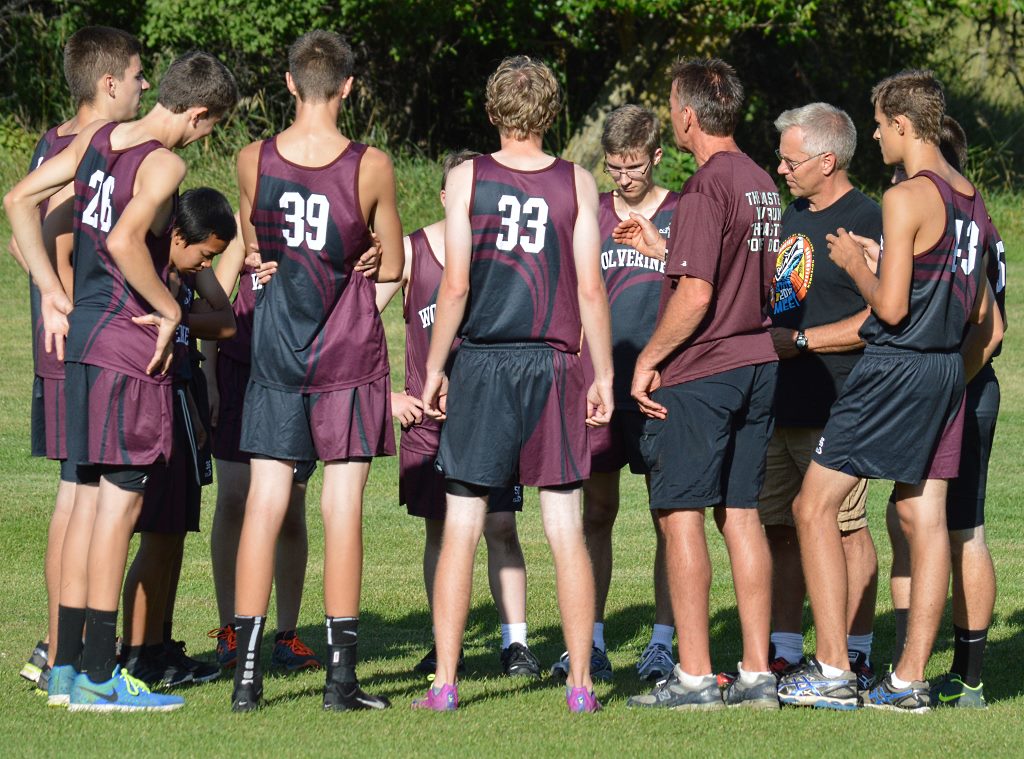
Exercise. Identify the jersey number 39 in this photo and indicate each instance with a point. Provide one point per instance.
(534, 212)
(302, 213)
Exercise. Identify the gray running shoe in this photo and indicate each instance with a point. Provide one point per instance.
(655, 663)
(672, 694)
(809, 686)
(949, 692)
(914, 699)
(600, 667)
(761, 694)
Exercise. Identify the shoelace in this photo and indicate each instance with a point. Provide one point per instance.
(653, 653)
(297, 646)
(134, 685)
(226, 634)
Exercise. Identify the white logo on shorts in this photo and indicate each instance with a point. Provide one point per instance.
(821, 444)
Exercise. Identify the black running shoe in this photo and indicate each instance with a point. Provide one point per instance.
(36, 662)
(518, 661)
(861, 667)
(180, 668)
(146, 664)
(349, 697)
(247, 697)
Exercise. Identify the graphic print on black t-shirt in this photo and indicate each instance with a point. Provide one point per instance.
(794, 272)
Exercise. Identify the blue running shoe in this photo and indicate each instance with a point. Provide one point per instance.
(914, 698)
(58, 690)
(121, 693)
(808, 686)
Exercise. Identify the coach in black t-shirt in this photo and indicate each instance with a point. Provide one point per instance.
(816, 313)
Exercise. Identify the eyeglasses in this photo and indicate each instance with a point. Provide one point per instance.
(631, 173)
(794, 165)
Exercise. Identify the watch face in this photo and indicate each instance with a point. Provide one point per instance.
(801, 342)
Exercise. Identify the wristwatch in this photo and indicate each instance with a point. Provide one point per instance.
(801, 341)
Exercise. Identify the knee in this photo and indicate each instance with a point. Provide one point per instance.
(500, 532)
(781, 538)
(599, 515)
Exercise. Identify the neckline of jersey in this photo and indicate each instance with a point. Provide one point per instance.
(273, 144)
(661, 205)
(524, 171)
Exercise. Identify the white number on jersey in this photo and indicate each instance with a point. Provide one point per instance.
(967, 261)
(300, 213)
(256, 284)
(99, 211)
(535, 211)
(1001, 262)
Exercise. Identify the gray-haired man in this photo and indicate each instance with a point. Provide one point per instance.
(816, 313)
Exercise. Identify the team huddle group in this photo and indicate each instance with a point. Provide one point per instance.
(757, 361)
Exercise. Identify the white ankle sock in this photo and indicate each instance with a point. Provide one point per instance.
(749, 678)
(514, 632)
(692, 681)
(828, 670)
(896, 682)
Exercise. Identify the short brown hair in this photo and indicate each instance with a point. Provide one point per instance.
(95, 51)
(452, 160)
(711, 88)
(953, 143)
(319, 63)
(916, 94)
(197, 79)
(523, 97)
(631, 130)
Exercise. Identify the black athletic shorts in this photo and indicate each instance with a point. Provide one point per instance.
(710, 450)
(618, 443)
(421, 488)
(899, 417)
(517, 412)
(965, 502)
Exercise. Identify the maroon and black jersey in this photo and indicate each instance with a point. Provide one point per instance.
(633, 282)
(238, 347)
(316, 327)
(945, 279)
(101, 329)
(46, 365)
(185, 296)
(523, 277)
(420, 307)
(995, 270)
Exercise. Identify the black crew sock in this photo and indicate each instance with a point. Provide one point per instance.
(901, 616)
(250, 637)
(968, 654)
(99, 654)
(70, 627)
(342, 637)
(167, 631)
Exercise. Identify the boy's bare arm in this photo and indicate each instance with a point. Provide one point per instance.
(380, 209)
(211, 318)
(230, 262)
(22, 206)
(156, 183)
(593, 299)
(247, 166)
(454, 291)
(387, 290)
(984, 334)
(59, 236)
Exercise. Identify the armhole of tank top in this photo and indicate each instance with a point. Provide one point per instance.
(937, 183)
(575, 197)
(174, 199)
(256, 189)
(472, 197)
(360, 151)
(407, 290)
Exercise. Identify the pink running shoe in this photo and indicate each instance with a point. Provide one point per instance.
(581, 700)
(444, 700)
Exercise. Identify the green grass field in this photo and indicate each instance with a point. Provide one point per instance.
(499, 717)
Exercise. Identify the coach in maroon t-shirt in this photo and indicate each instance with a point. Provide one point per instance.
(706, 380)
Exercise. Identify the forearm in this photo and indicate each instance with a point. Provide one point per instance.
(138, 270)
(209, 365)
(12, 248)
(214, 325)
(838, 337)
(28, 238)
(451, 308)
(597, 327)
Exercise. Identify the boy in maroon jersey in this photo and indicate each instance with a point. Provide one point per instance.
(319, 387)
(631, 142)
(521, 234)
(900, 414)
(126, 182)
(104, 74)
(420, 485)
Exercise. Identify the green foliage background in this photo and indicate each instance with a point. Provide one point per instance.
(421, 67)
